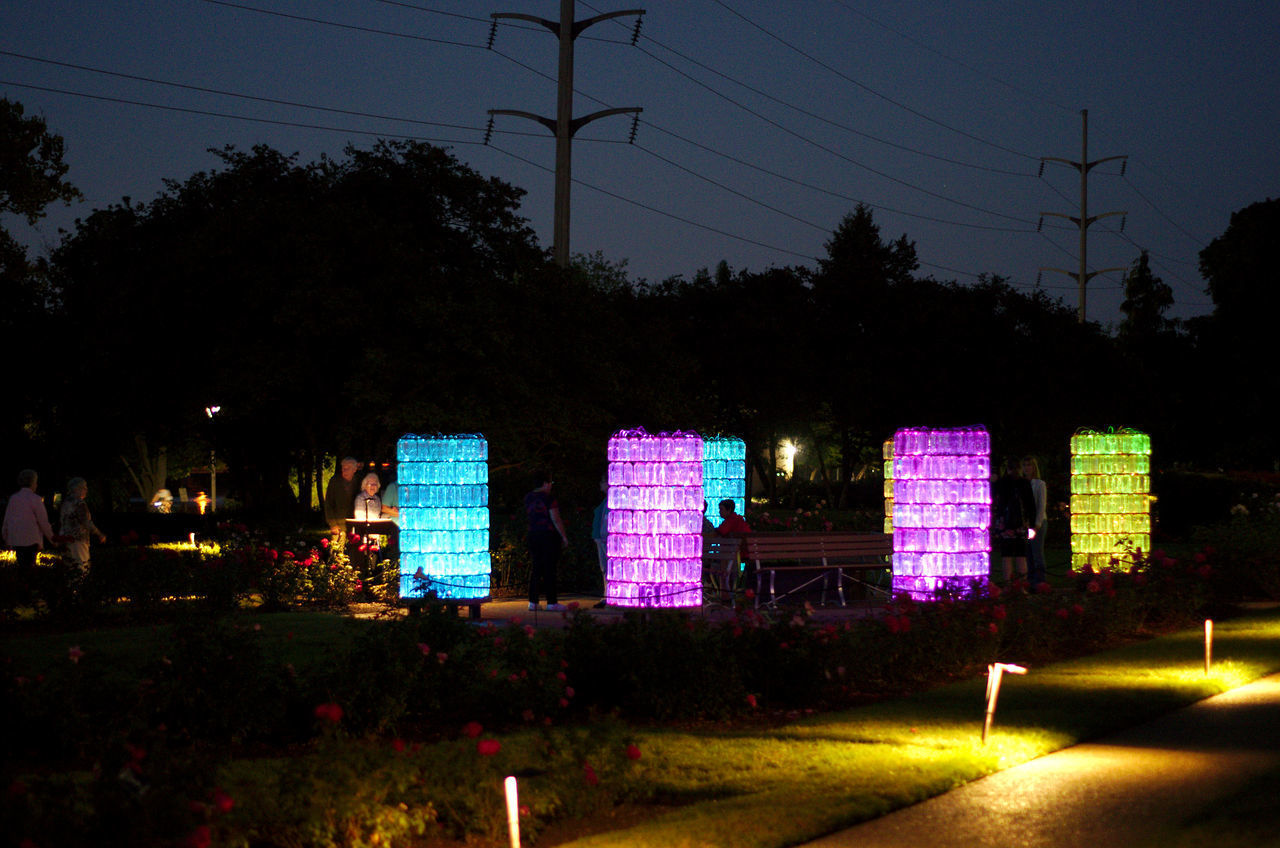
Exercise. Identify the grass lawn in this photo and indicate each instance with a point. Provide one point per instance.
(763, 784)
(784, 785)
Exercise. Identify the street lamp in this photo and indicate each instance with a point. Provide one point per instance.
(211, 411)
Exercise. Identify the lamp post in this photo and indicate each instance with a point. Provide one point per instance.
(211, 411)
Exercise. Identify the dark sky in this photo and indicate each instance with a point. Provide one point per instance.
(765, 121)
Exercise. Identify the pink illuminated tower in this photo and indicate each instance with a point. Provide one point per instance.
(941, 510)
(655, 520)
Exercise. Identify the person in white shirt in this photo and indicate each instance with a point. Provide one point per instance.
(26, 521)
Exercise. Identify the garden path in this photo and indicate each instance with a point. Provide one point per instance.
(1138, 787)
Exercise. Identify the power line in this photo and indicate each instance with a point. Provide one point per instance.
(868, 88)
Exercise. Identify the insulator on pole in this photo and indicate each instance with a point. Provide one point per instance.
(493, 32)
(488, 131)
(1041, 174)
(1039, 277)
(1124, 163)
(1123, 219)
(1039, 224)
(635, 31)
(635, 126)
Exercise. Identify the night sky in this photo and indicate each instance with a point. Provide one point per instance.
(764, 122)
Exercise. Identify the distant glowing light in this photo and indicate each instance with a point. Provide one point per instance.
(1110, 497)
(443, 486)
(941, 509)
(655, 520)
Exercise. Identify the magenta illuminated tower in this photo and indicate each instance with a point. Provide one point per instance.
(941, 510)
(655, 520)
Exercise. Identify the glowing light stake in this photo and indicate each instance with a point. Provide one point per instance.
(513, 811)
(443, 485)
(887, 451)
(941, 509)
(1208, 644)
(724, 475)
(995, 673)
(655, 520)
(1110, 497)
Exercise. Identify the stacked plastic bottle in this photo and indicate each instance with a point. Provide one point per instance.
(887, 451)
(941, 509)
(655, 520)
(1110, 497)
(724, 475)
(443, 484)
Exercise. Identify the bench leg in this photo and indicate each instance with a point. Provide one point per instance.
(773, 595)
(840, 585)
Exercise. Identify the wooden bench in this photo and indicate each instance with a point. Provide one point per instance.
(827, 552)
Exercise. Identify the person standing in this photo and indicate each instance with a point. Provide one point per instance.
(546, 538)
(26, 521)
(1012, 508)
(1036, 571)
(340, 497)
(76, 528)
(77, 525)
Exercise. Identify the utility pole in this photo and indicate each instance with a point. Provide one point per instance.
(565, 125)
(1083, 276)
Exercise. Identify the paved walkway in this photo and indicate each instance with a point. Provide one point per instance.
(1118, 791)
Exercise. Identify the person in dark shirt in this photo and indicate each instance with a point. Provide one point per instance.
(546, 538)
(340, 497)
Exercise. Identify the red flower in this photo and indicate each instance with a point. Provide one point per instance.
(488, 747)
(425, 648)
(1093, 586)
(398, 745)
(329, 712)
(222, 802)
(749, 594)
(589, 775)
(200, 837)
(633, 751)
(751, 701)
(1061, 613)
(74, 653)
(472, 729)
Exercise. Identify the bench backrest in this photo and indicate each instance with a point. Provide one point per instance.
(844, 547)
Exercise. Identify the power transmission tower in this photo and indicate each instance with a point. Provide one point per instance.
(1084, 166)
(565, 125)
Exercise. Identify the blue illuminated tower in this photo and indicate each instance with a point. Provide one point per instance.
(444, 516)
(724, 474)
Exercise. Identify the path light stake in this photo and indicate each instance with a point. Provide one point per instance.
(995, 672)
(1208, 644)
(513, 811)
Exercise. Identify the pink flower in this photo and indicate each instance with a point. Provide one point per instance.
(74, 653)
(633, 751)
(751, 701)
(472, 729)
(442, 656)
(324, 543)
(488, 747)
(425, 648)
(330, 712)
(1093, 586)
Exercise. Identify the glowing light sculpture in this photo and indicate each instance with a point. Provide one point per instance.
(655, 520)
(1110, 497)
(724, 475)
(886, 451)
(443, 485)
(941, 509)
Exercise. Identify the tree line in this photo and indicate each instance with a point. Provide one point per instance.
(327, 307)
